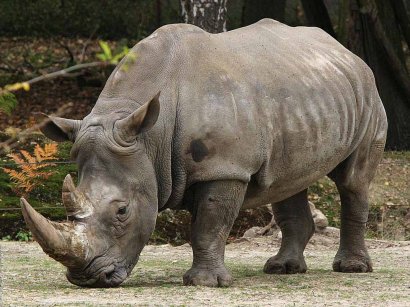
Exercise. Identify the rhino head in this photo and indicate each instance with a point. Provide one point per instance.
(112, 211)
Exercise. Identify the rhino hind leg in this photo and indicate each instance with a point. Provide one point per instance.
(215, 206)
(295, 220)
(352, 178)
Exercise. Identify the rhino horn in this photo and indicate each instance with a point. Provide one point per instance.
(65, 242)
(75, 202)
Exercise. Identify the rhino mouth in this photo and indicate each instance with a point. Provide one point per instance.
(102, 277)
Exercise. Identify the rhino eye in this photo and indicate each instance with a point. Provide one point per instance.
(122, 210)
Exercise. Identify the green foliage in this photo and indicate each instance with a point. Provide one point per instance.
(8, 102)
(107, 54)
(24, 236)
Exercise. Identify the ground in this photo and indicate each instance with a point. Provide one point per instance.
(29, 277)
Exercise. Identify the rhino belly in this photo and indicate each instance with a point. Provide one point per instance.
(311, 134)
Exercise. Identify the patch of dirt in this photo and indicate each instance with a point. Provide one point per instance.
(30, 278)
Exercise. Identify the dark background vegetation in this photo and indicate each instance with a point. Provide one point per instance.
(37, 37)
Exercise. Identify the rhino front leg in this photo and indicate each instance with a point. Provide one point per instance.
(215, 207)
(296, 223)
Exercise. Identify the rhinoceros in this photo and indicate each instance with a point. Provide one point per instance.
(216, 123)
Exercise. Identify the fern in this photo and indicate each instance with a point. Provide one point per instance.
(30, 168)
(7, 102)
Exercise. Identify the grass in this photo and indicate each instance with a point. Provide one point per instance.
(401, 155)
(30, 277)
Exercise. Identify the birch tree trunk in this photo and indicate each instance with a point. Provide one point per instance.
(209, 15)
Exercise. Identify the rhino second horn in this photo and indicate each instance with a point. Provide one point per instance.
(75, 202)
(62, 241)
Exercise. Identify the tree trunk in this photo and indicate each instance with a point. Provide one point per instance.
(375, 36)
(255, 10)
(209, 15)
(403, 18)
(342, 23)
(317, 15)
(158, 10)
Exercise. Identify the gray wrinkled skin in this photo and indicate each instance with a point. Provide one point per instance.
(247, 117)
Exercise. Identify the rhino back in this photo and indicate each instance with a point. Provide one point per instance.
(272, 105)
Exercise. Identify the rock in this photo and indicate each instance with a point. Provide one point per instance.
(183, 246)
(319, 218)
(312, 208)
(240, 240)
(330, 232)
(279, 235)
(252, 232)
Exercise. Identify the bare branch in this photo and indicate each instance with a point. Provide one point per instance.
(67, 48)
(12, 142)
(59, 73)
(62, 72)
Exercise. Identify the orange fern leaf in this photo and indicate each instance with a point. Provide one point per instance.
(39, 153)
(16, 158)
(29, 158)
(50, 151)
(30, 174)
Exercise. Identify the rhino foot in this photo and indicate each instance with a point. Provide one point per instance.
(352, 264)
(281, 265)
(219, 277)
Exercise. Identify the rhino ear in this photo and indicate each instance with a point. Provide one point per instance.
(141, 120)
(61, 129)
